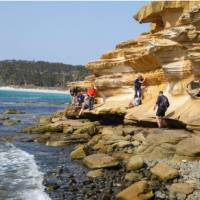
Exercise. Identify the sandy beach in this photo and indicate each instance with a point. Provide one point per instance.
(44, 90)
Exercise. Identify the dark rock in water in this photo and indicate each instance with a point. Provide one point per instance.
(26, 139)
(51, 183)
(10, 122)
(3, 117)
(13, 111)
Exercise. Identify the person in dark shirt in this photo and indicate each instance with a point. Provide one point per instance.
(80, 99)
(162, 103)
(137, 85)
(74, 92)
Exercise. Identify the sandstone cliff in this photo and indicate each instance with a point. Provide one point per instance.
(168, 57)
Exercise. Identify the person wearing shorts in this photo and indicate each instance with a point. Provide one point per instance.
(162, 104)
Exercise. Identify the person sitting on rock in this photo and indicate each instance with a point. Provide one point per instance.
(80, 99)
(136, 101)
(91, 92)
(162, 104)
(137, 85)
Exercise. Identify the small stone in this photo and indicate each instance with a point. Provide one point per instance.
(134, 163)
(164, 171)
(132, 176)
(95, 173)
(78, 153)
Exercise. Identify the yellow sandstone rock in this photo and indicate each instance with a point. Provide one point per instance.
(164, 171)
(137, 191)
(168, 57)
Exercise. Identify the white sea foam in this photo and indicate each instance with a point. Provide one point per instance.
(20, 175)
(33, 90)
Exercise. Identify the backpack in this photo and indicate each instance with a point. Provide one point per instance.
(164, 103)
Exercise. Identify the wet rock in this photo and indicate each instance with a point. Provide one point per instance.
(59, 143)
(52, 127)
(95, 173)
(78, 153)
(134, 163)
(137, 191)
(133, 177)
(13, 111)
(184, 188)
(51, 183)
(26, 139)
(3, 117)
(11, 122)
(100, 160)
(164, 171)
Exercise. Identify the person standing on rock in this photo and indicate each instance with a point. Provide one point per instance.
(74, 92)
(138, 84)
(162, 104)
(91, 92)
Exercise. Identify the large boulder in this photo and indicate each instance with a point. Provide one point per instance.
(164, 171)
(100, 160)
(161, 144)
(189, 147)
(137, 191)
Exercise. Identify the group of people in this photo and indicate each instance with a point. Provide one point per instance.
(82, 99)
(85, 99)
(162, 102)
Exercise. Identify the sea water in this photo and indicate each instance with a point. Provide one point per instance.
(20, 176)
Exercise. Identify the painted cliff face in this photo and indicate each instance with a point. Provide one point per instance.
(169, 54)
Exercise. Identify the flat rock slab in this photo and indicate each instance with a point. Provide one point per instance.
(137, 191)
(164, 171)
(184, 188)
(189, 147)
(100, 160)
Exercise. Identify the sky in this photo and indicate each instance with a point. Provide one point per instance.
(67, 32)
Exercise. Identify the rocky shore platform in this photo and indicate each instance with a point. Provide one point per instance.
(118, 161)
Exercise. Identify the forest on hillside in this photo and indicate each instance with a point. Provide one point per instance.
(39, 73)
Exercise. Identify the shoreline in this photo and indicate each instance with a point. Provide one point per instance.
(42, 90)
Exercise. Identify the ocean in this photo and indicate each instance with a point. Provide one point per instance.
(21, 167)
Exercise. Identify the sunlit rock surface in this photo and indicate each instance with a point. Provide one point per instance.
(168, 57)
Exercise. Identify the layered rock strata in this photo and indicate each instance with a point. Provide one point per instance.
(168, 57)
